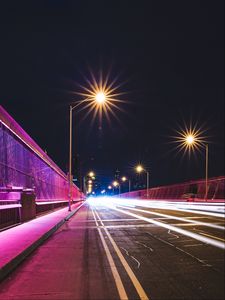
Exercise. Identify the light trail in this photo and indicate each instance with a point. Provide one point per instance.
(208, 209)
(195, 236)
(176, 218)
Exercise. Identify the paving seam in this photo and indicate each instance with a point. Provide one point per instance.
(10, 266)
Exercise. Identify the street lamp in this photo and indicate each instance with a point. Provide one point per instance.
(99, 99)
(100, 96)
(91, 175)
(116, 184)
(140, 169)
(124, 179)
(191, 141)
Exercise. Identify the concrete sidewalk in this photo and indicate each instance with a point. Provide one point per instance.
(18, 242)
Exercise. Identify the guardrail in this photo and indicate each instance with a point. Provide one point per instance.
(24, 165)
(188, 191)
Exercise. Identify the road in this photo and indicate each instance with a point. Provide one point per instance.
(124, 249)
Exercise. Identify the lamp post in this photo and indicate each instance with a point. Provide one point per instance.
(140, 169)
(124, 179)
(116, 184)
(70, 160)
(206, 169)
(100, 97)
(99, 100)
(191, 141)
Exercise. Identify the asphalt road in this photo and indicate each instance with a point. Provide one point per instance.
(127, 250)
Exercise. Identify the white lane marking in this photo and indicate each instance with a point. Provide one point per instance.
(137, 261)
(176, 218)
(129, 226)
(119, 220)
(196, 236)
(145, 225)
(115, 273)
(127, 253)
(125, 226)
(144, 245)
(182, 250)
(176, 236)
(133, 278)
(192, 245)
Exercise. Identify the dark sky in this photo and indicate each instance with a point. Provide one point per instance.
(168, 54)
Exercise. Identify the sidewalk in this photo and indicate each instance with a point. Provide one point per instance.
(18, 242)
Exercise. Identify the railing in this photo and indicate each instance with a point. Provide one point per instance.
(24, 165)
(189, 190)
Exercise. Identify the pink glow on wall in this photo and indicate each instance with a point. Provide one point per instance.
(24, 164)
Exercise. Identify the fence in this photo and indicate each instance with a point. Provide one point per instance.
(189, 190)
(24, 165)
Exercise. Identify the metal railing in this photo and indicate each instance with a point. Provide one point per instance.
(188, 190)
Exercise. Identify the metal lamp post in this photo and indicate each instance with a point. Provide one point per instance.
(191, 141)
(70, 160)
(139, 169)
(206, 169)
(99, 98)
(116, 184)
(129, 182)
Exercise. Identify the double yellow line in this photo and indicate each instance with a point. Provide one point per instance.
(115, 273)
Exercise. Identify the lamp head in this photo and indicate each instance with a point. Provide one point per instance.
(91, 174)
(139, 169)
(115, 183)
(190, 139)
(100, 97)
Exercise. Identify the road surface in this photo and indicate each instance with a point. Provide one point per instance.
(121, 249)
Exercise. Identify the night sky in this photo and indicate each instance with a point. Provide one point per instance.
(167, 57)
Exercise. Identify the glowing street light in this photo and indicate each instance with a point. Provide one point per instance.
(91, 174)
(140, 169)
(116, 184)
(191, 140)
(99, 97)
(124, 179)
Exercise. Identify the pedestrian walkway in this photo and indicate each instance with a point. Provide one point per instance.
(18, 242)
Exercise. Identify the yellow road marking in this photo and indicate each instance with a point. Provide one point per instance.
(115, 273)
(212, 236)
(136, 283)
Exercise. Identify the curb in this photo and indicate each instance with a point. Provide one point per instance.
(10, 266)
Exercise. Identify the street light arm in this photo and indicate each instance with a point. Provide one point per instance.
(72, 107)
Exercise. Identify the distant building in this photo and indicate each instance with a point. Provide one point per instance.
(117, 174)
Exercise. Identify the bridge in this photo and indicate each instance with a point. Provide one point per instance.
(169, 245)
